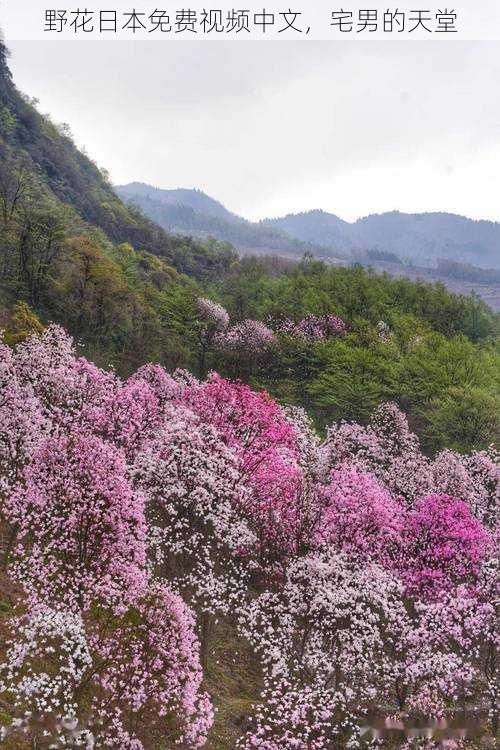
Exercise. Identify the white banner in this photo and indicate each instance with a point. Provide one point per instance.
(171, 21)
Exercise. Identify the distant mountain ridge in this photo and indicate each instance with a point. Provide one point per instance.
(421, 238)
(192, 198)
(184, 211)
(315, 226)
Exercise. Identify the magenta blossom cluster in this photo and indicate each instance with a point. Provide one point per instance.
(139, 513)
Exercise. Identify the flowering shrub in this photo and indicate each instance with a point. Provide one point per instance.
(192, 485)
(266, 447)
(212, 320)
(326, 642)
(81, 669)
(384, 332)
(81, 528)
(239, 344)
(362, 573)
(22, 424)
(313, 327)
(111, 680)
(248, 339)
(474, 479)
(213, 317)
(444, 545)
(385, 448)
(451, 650)
(360, 517)
(56, 635)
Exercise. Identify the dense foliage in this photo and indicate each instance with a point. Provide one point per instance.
(335, 340)
(71, 178)
(72, 252)
(432, 352)
(141, 516)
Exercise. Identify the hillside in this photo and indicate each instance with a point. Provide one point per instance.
(420, 238)
(228, 484)
(183, 211)
(195, 199)
(187, 564)
(461, 253)
(459, 278)
(47, 152)
(73, 252)
(315, 226)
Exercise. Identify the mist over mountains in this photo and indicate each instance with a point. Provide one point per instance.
(193, 213)
(462, 253)
(412, 239)
(421, 238)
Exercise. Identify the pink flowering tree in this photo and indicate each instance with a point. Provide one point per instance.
(127, 417)
(451, 659)
(313, 327)
(147, 690)
(212, 321)
(197, 536)
(242, 345)
(360, 517)
(444, 545)
(307, 438)
(212, 316)
(81, 525)
(165, 387)
(385, 448)
(245, 345)
(251, 338)
(474, 479)
(44, 700)
(22, 428)
(62, 383)
(266, 447)
(361, 572)
(128, 681)
(199, 540)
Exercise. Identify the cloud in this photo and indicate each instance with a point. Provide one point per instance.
(272, 127)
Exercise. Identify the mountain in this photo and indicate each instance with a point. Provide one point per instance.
(316, 226)
(461, 253)
(183, 211)
(419, 238)
(73, 252)
(47, 152)
(199, 201)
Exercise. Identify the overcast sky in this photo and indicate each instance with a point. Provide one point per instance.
(275, 127)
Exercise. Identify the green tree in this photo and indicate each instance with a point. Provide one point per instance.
(463, 419)
(23, 323)
(436, 364)
(355, 381)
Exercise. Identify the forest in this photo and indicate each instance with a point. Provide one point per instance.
(245, 502)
